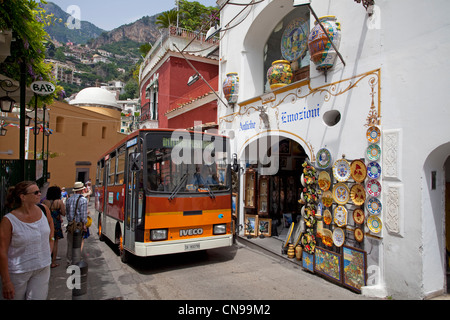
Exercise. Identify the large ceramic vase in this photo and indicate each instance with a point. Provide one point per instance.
(231, 87)
(279, 74)
(321, 51)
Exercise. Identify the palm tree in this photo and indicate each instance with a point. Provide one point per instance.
(167, 19)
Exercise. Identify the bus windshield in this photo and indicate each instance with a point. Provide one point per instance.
(194, 168)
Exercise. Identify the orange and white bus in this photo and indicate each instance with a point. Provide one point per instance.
(163, 191)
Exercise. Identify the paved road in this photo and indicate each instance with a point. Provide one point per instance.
(238, 272)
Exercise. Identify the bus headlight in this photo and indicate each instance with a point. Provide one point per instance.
(220, 229)
(158, 234)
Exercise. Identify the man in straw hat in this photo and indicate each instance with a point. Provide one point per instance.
(76, 212)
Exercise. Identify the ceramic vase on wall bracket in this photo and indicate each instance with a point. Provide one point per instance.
(231, 87)
(279, 74)
(321, 51)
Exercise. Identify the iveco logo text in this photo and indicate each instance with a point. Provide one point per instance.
(191, 232)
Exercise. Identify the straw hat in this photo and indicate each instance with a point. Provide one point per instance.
(78, 186)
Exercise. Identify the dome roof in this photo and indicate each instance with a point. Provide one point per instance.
(98, 97)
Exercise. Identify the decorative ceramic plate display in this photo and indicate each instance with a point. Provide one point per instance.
(374, 206)
(358, 194)
(374, 224)
(324, 181)
(373, 188)
(327, 238)
(373, 134)
(359, 235)
(358, 216)
(327, 218)
(341, 170)
(341, 193)
(302, 180)
(358, 170)
(288, 237)
(294, 41)
(327, 198)
(323, 158)
(373, 152)
(338, 237)
(340, 216)
(297, 234)
(374, 170)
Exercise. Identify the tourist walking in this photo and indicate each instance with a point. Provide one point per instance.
(76, 214)
(26, 242)
(57, 210)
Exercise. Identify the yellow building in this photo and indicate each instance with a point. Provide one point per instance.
(81, 131)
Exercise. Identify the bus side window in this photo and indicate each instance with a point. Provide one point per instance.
(120, 168)
(112, 169)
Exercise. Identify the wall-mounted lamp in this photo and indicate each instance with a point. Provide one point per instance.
(3, 131)
(193, 79)
(6, 102)
(212, 32)
(235, 164)
(36, 131)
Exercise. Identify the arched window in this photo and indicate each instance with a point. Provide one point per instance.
(289, 41)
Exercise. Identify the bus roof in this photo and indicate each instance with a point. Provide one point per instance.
(137, 132)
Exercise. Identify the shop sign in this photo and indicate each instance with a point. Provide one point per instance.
(301, 115)
(43, 87)
(247, 125)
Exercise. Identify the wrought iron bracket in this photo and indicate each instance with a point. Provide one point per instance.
(368, 4)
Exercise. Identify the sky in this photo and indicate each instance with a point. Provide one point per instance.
(110, 14)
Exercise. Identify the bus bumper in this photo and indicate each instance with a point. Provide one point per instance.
(178, 246)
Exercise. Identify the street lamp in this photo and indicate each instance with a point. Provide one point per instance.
(3, 131)
(6, 102)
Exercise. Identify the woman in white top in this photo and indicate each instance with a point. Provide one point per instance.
(26, 242)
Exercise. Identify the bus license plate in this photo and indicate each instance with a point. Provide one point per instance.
(191, 246)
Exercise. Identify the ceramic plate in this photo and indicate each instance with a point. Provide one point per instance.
(358, 216)
(294, 41)
(327, 238)
(358, 170)
(340, 216)
(338, 237)
(327, 199)
(341, 170)
(373, 152)
(323, 158)
(374, 224)
(358, 194)
(324, 181)
(373, 134)
(327, 217)
(341, 194)
(373, 188)
(302, 180)
(374, 170)
(359, 235)
(374, 206)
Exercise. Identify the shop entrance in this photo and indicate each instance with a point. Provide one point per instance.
(274, 198)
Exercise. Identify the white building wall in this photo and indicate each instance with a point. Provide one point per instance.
(398, 54)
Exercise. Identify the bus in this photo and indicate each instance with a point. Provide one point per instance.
(164, 191)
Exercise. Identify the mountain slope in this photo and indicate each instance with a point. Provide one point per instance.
(63, 34)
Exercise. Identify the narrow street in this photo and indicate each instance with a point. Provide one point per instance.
(239, 272)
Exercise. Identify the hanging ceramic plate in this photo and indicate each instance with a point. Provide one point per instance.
(340, 216)
(359, 235)
(374, 206)
(373, 188)
(327, 238)
(294, 41)
(338, 237)
(327, 198)
(324, 181)
(341, 194)
(374, 170)
(341, 170)
(288, 235)
(323, 158)
(358, 194)
(374, 224)
(358, 170)
(373, 134)
(327, 218)
(358, 216)
(373, 152)
(297, 234)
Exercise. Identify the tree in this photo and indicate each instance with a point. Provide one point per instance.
(194, 16)
(27, 19)
(167, 19)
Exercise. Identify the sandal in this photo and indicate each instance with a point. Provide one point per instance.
(54, 265)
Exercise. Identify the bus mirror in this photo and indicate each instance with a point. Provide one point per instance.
(135, 161)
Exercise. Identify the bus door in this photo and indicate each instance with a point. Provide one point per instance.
(131, 198)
